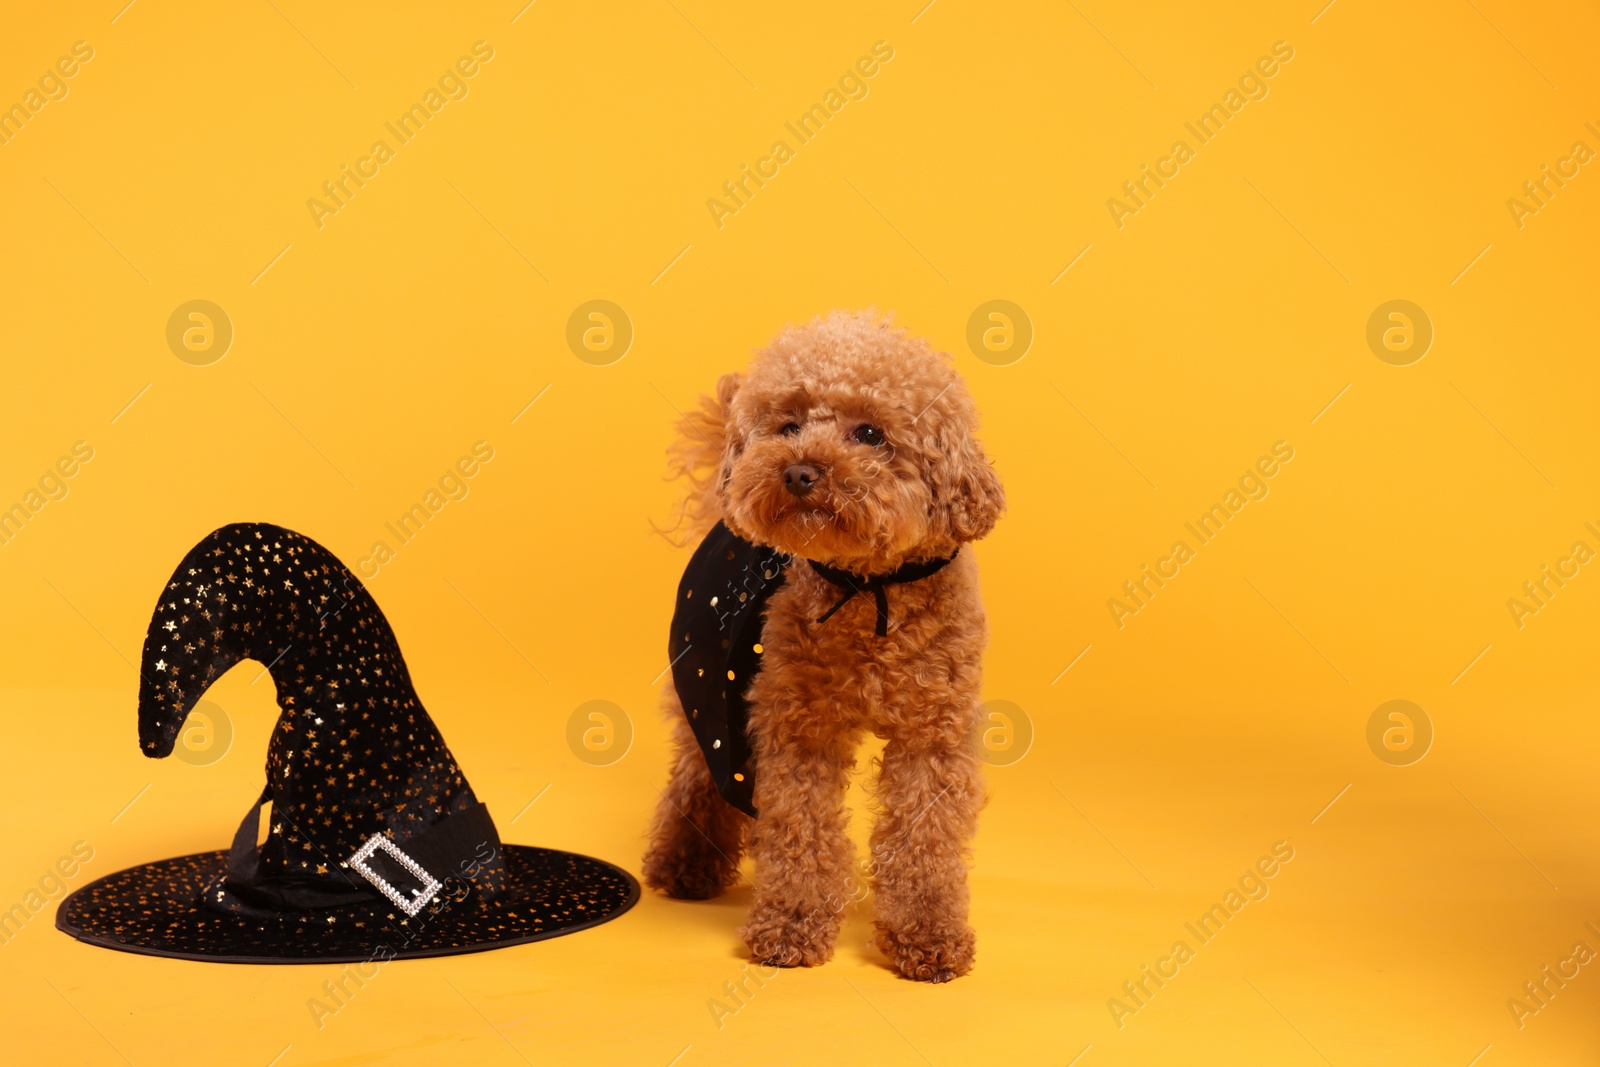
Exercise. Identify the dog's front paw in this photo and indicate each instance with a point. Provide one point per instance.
(779, 938)
(929, 955)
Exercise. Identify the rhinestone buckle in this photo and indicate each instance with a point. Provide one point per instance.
(419, 897)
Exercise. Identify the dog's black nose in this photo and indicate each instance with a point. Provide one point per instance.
(799, 478)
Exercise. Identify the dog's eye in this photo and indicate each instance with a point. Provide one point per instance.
(790, 429)
(868, 434)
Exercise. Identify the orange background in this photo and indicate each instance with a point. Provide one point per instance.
(1229, 313)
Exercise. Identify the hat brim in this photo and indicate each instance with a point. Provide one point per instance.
(155, 909)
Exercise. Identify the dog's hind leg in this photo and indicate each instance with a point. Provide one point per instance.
(696, 837)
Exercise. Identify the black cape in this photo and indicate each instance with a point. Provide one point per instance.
(715, 649)
(715, 646)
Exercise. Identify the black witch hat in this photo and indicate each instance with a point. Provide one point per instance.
(377, 846)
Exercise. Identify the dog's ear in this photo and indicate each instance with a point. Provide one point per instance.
(966, 489)
(705, 446)
(727, 386)
(731, 442)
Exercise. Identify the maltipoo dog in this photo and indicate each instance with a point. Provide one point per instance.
(837, 481)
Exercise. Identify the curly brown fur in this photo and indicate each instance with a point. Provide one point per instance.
(696, 838)
(697, 457)
(923, 492)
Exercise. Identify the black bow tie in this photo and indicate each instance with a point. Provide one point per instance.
(907, 572)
